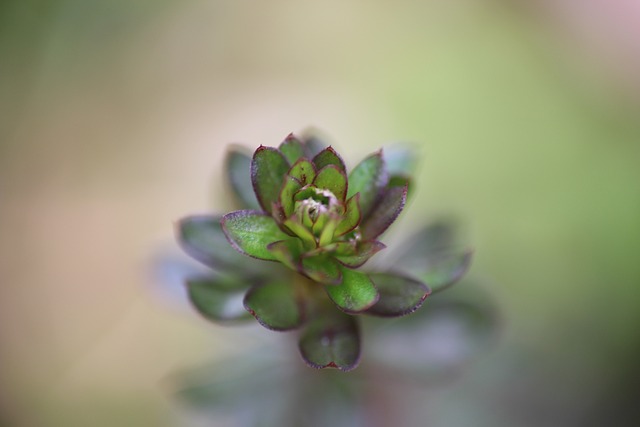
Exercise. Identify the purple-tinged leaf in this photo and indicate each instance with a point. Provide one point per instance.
(251, 231)
(322, 269)
(369, 178)
(328, 156)
(352, 216)
(218, 299)
(384, 213)
(292, 148)
(288, 252)
(399, 295)
(276, 305)
(402, 181)
(331, 341)
(268, 169)
(238, 171)
(364, 251)
(202, 237)
(333, 179)
(304, 171)
(355, 294)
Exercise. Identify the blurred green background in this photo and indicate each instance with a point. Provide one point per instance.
(113, 121)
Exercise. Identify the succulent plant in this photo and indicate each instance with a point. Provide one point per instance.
(294, 254)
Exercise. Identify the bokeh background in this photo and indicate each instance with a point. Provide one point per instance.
(113, 121)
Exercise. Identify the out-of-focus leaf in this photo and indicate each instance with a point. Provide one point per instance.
(292, 148)
(447, 332)
(442, 270)
(368, 178)
(351, 218)
(400, 160)
(433, 256)
(240, 387)
(328, 156)
(304, 171)
(364, 251)
(202, 237)
(434, 238)
(331, 341)
(322, 269)
(330, 398)
(402, 181)
(238, 170)
(268, 169)
(276, 305)
(399, 295)
(355, 294)
(250, 232)
(333, 179)
(384, 213)
(218, 298)
(313, 144)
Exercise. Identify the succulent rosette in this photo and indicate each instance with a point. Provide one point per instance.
(309, 225)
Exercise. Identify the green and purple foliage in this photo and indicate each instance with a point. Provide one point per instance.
(295, 254)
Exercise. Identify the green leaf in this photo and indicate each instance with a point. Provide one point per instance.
(333, 179)
(322, 269)
(268, 169)
(399, 295)
(250, 232)
(345, 248)
(369, 179)
(288, 252)
(352, 216)
(202, 237)
(442, 270)
(289, 188)
(238, 170)
(218, 298)
(295, 225)
(328, 156)
(328, 231)
(364, 251)
(292, 148)
(384, 213)
(355, 294)
(276, 305)
(304, 171)
(331, 341)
